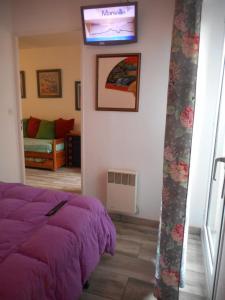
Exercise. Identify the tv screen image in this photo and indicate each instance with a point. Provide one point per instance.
(110, 24)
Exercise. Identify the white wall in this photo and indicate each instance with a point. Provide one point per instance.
(46, 16)
(65, 58)
(117, 139)
(10, 162)
(131, 140)
(209, 74)
(135, 140)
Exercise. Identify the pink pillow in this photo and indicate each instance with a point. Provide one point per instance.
(32, 127)
(62, 127)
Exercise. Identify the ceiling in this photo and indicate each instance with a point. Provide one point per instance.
(50, 40)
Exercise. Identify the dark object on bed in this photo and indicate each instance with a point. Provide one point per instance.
(49, 257)
(56, 208)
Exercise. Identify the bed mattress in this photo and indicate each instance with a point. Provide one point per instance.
(49, 257)
(41, 145)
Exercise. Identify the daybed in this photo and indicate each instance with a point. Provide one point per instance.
(43, 153)
(49, 257)
(44, 142)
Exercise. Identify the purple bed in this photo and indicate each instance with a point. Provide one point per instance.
(49, 257)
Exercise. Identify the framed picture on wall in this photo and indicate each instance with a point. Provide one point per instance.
(117, 81)
(22, 84)
(77, 95)
(49, 83)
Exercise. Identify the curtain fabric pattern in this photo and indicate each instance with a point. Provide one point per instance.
(177, 147)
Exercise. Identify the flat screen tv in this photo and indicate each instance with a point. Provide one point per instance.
(110, 24)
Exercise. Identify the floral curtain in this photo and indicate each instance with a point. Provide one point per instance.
(177, 148)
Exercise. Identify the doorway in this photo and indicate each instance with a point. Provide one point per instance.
(55, 54)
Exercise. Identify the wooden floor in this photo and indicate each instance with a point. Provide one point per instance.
(64, 179)
(129, 275)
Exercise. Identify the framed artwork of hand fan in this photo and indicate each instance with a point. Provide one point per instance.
(117, 84)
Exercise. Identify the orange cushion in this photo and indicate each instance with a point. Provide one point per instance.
(32, 127)
(62, 127)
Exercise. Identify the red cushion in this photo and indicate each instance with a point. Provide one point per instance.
(32, 127)
(62, 127)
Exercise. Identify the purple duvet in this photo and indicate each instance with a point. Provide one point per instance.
(49, 258)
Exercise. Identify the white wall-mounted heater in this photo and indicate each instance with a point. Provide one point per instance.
(122, 191)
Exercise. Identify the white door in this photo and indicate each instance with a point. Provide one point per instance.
(215, 213)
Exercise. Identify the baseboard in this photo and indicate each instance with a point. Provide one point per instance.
(194, 230)
(134, 220)
(145, 222)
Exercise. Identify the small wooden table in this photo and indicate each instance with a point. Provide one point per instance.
(73, 151)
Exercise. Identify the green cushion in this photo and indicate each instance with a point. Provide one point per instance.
(25, 124)
(46, 130)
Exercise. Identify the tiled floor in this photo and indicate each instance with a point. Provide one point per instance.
(129, 275)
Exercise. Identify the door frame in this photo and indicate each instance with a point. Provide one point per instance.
(19, 109)
(210, 273)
